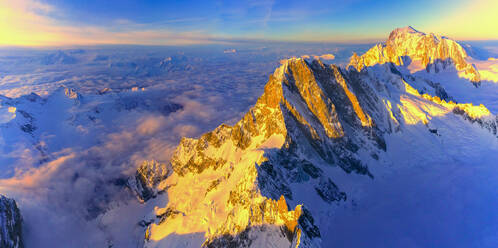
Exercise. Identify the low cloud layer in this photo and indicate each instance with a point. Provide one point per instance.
(82, 185)
(69, 174)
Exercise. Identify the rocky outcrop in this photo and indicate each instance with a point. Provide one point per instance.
(478, 114)
(10, 224)
(149, 174)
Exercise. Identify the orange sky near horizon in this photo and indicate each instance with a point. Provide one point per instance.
(32, 23)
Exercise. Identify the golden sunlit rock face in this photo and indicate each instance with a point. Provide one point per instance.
(407, 46)
(225, 183)
(214, 188)
(365, 119)
(314, 97)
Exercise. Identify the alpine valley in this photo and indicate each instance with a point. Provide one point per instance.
(387, 150)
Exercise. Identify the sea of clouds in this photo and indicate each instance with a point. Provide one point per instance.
(134, 103)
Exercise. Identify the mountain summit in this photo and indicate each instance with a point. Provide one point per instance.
(272, 178)
(407, 46)
(407, 29)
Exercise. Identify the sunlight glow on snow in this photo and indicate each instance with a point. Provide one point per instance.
(416, 108)
(190, 195)
(7, 114)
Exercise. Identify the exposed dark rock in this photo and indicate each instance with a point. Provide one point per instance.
(491, 124)
(28, 128)
(10, 224)
(307, 224)
(329, 192)
(149, 174)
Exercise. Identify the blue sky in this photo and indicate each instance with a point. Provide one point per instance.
(198, 21)
(252, 18)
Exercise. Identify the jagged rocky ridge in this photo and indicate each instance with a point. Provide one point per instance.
(311, 118)
(10, 224)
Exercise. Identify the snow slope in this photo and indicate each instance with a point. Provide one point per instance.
(344, 144)
(393, 152)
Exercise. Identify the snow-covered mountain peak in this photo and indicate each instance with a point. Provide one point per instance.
(407, 46)
(405, 30)
(71, 93)
(64, 93)
(237, 183)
